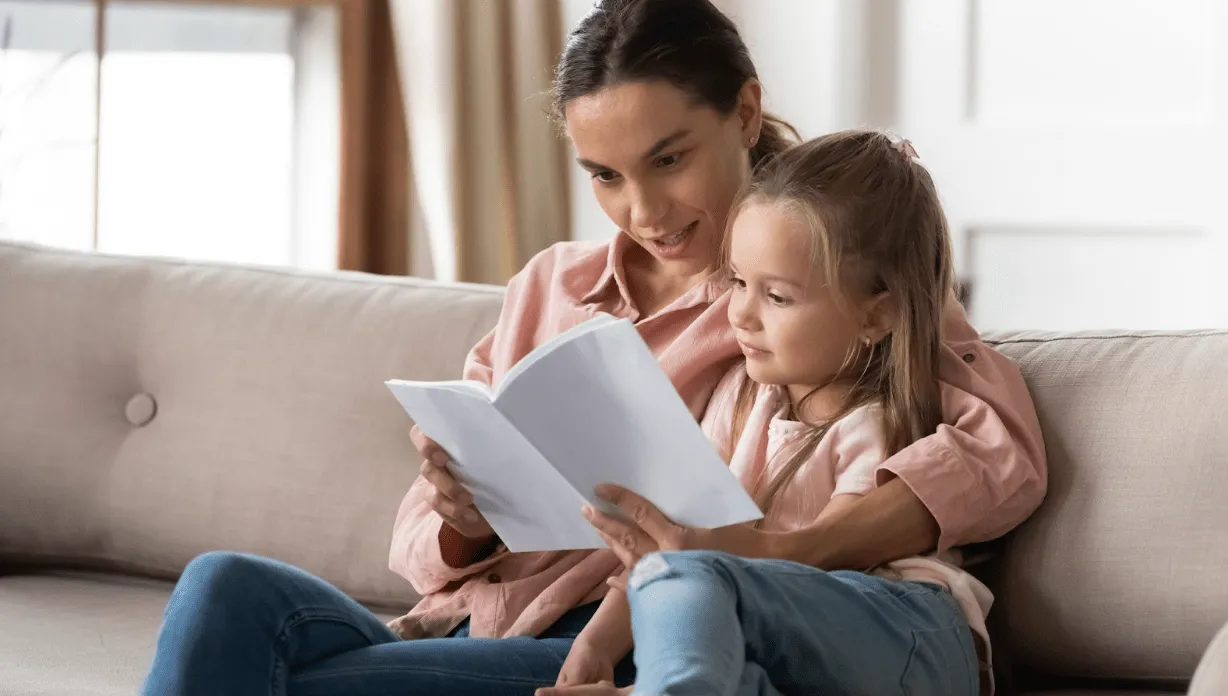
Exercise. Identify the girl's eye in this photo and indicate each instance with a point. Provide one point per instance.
(605, 177)
(778, 300)
(738, 283)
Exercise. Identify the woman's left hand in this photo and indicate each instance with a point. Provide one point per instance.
(648, 530)
(602, 689)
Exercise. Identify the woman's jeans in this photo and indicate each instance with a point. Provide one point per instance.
(243, 625)
(713, 624)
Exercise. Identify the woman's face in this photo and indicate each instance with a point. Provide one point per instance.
(664, 168)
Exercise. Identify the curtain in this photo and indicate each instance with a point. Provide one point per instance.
(489, 169)
(376, 198)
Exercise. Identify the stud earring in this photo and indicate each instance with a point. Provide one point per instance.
(753, 139)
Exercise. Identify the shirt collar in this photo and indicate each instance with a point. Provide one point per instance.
(614, 278)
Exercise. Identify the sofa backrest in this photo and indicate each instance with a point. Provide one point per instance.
(151, 410)
(1123, 572)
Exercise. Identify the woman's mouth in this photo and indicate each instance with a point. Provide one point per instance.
(673, 245)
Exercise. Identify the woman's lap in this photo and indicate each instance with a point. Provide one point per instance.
(246, 625)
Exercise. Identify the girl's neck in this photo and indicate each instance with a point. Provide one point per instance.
(817, 405)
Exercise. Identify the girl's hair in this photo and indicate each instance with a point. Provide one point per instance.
(878, 227)
(687, 43)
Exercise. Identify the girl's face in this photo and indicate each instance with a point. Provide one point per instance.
(791, 329)
(664, 169)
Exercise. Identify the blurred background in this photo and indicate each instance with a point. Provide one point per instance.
(1080, 146)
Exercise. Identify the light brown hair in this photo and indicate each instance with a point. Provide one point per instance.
(878, 227)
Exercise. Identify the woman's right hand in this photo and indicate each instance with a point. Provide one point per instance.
(448, 497)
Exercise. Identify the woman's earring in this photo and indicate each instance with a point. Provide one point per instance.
(753, 139)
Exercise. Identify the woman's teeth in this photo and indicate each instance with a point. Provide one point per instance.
(675, 238)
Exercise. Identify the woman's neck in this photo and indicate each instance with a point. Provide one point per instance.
(653, 285)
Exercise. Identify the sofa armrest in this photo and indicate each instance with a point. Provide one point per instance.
(1211, 677)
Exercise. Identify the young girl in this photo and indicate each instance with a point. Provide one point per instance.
(842, 274)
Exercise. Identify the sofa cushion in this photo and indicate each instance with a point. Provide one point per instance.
(152, 410)
(1121, 573)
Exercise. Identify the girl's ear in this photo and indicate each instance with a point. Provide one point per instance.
(879, 316)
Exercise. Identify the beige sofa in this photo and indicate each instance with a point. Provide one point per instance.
(152, 410)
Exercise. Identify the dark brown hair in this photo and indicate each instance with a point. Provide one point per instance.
(687, 43)
(878, 227)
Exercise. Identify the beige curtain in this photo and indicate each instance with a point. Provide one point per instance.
(489, 171)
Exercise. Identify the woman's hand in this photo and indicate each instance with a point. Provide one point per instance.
(650, 530)
(586, 663)
(602, 689)
(448, 497)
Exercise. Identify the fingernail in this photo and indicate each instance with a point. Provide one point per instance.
(587, 512)
(604, 490)
(471, 517)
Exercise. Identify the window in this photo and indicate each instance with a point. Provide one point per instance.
(210, 132)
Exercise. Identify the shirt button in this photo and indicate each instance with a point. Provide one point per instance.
(969, 357)
(494, 579)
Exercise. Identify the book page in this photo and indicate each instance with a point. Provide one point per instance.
(549, 346)
(600, 409)
(529, 505)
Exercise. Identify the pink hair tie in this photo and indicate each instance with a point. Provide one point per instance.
(904, 146)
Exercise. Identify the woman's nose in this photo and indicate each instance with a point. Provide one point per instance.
(648, 208)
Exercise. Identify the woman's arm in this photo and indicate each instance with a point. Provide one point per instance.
(853, 532)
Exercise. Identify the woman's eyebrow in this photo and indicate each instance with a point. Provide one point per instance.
(653, 151)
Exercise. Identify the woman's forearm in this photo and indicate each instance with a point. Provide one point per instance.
(610, 628)
(887, 524)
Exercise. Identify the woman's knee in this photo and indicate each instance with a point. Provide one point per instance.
(216, 575)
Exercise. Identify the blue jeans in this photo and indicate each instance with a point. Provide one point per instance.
(243, 625)
(710, 623)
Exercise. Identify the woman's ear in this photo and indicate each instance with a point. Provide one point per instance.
(750, 110)
(879, 316)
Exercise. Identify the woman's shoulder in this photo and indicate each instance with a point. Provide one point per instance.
(574, 263)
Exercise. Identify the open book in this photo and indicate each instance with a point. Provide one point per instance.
(589, 406)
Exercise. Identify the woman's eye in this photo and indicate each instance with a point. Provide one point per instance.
(605, 177)
(665, 161)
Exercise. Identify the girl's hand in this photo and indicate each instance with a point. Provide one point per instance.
(586, 663)
(449, 498)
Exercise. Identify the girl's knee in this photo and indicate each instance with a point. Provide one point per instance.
(688, 565)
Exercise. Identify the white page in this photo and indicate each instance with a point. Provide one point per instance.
(549, 346)
(600, 409)
(529, 505)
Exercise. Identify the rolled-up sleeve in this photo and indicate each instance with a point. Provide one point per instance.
(984, 471)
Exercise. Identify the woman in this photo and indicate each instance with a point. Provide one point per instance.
(663, 105)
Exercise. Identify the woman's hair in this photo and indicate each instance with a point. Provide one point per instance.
(878, 227)
(687, 43)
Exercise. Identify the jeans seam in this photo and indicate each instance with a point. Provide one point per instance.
(503, 678)
(298, 617)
